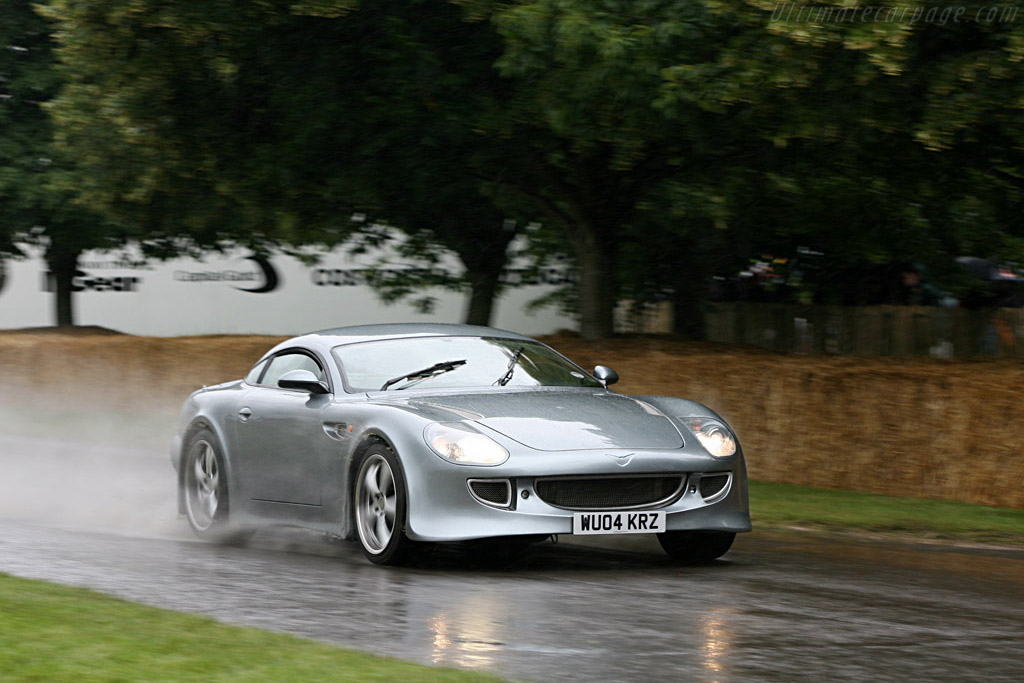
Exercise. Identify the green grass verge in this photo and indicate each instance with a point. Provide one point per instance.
(58, 633)
(784, 505)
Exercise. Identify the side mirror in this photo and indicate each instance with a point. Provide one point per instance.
(606, 375)
(303, 380)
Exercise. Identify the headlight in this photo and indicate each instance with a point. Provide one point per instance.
(460, 443)
(713, 436)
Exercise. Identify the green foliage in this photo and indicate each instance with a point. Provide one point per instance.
(174, 112)
(877, 140)
(37, 179)
(24, 66)
(605, 156)
(273, 123)
(328, 9)
(870, 141)
(656, 141)
(34, 205)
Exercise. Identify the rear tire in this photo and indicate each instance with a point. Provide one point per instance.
(205, 488)
(381, 509)
(696, 546)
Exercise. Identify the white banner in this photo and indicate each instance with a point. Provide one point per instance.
(239, 293)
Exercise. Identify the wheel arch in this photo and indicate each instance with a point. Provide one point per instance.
(198, 424)
(366, 441)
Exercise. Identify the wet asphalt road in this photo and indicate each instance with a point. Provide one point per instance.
(777, 607)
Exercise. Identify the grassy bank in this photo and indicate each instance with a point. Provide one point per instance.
(784, 505)
(59, 633)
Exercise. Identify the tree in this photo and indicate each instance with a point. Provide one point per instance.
(719, 133)
(173, 136)
(643, 186)
(658, 138)
(270, 124)
(36, 206)
(588, 78)
(891, 138)
(273, 123)
(427, 106)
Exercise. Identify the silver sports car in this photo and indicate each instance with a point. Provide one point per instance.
(404, 435)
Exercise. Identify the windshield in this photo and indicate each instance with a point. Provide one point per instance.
(367, 366)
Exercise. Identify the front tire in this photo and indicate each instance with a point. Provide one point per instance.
(381, 505)
(696, 546)
(205, 485)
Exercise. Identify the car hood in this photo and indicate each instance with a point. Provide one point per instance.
(565, 420)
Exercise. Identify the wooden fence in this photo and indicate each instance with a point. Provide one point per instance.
(869, 330)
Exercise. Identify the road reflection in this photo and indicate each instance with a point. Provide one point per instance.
(717, 641)
(469, 633)
(468, 640)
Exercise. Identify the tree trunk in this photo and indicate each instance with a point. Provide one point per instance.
(596, 289)
(484, 254)
(483, 290)
(688, 297)
(63, 264)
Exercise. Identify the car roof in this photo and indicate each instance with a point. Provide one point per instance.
(324, 340)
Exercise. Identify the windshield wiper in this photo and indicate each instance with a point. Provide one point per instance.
(436, 369)
(507, 377)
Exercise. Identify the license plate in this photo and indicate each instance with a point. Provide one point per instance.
(618, 523)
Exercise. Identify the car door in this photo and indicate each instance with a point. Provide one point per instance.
(283, 450)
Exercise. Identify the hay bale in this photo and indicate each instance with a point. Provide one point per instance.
(927, 428)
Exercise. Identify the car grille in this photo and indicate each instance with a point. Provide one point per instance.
(712, 484)
(610, 493)
(497, 492)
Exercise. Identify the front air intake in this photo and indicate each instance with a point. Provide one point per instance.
(493, 492)
(610, 493)
(714, 485)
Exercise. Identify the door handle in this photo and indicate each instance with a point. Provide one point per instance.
(244, 414)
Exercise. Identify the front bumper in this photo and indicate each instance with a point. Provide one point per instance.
(441, 507)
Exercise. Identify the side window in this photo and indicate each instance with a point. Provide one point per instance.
(290, 361)
(254, 375)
